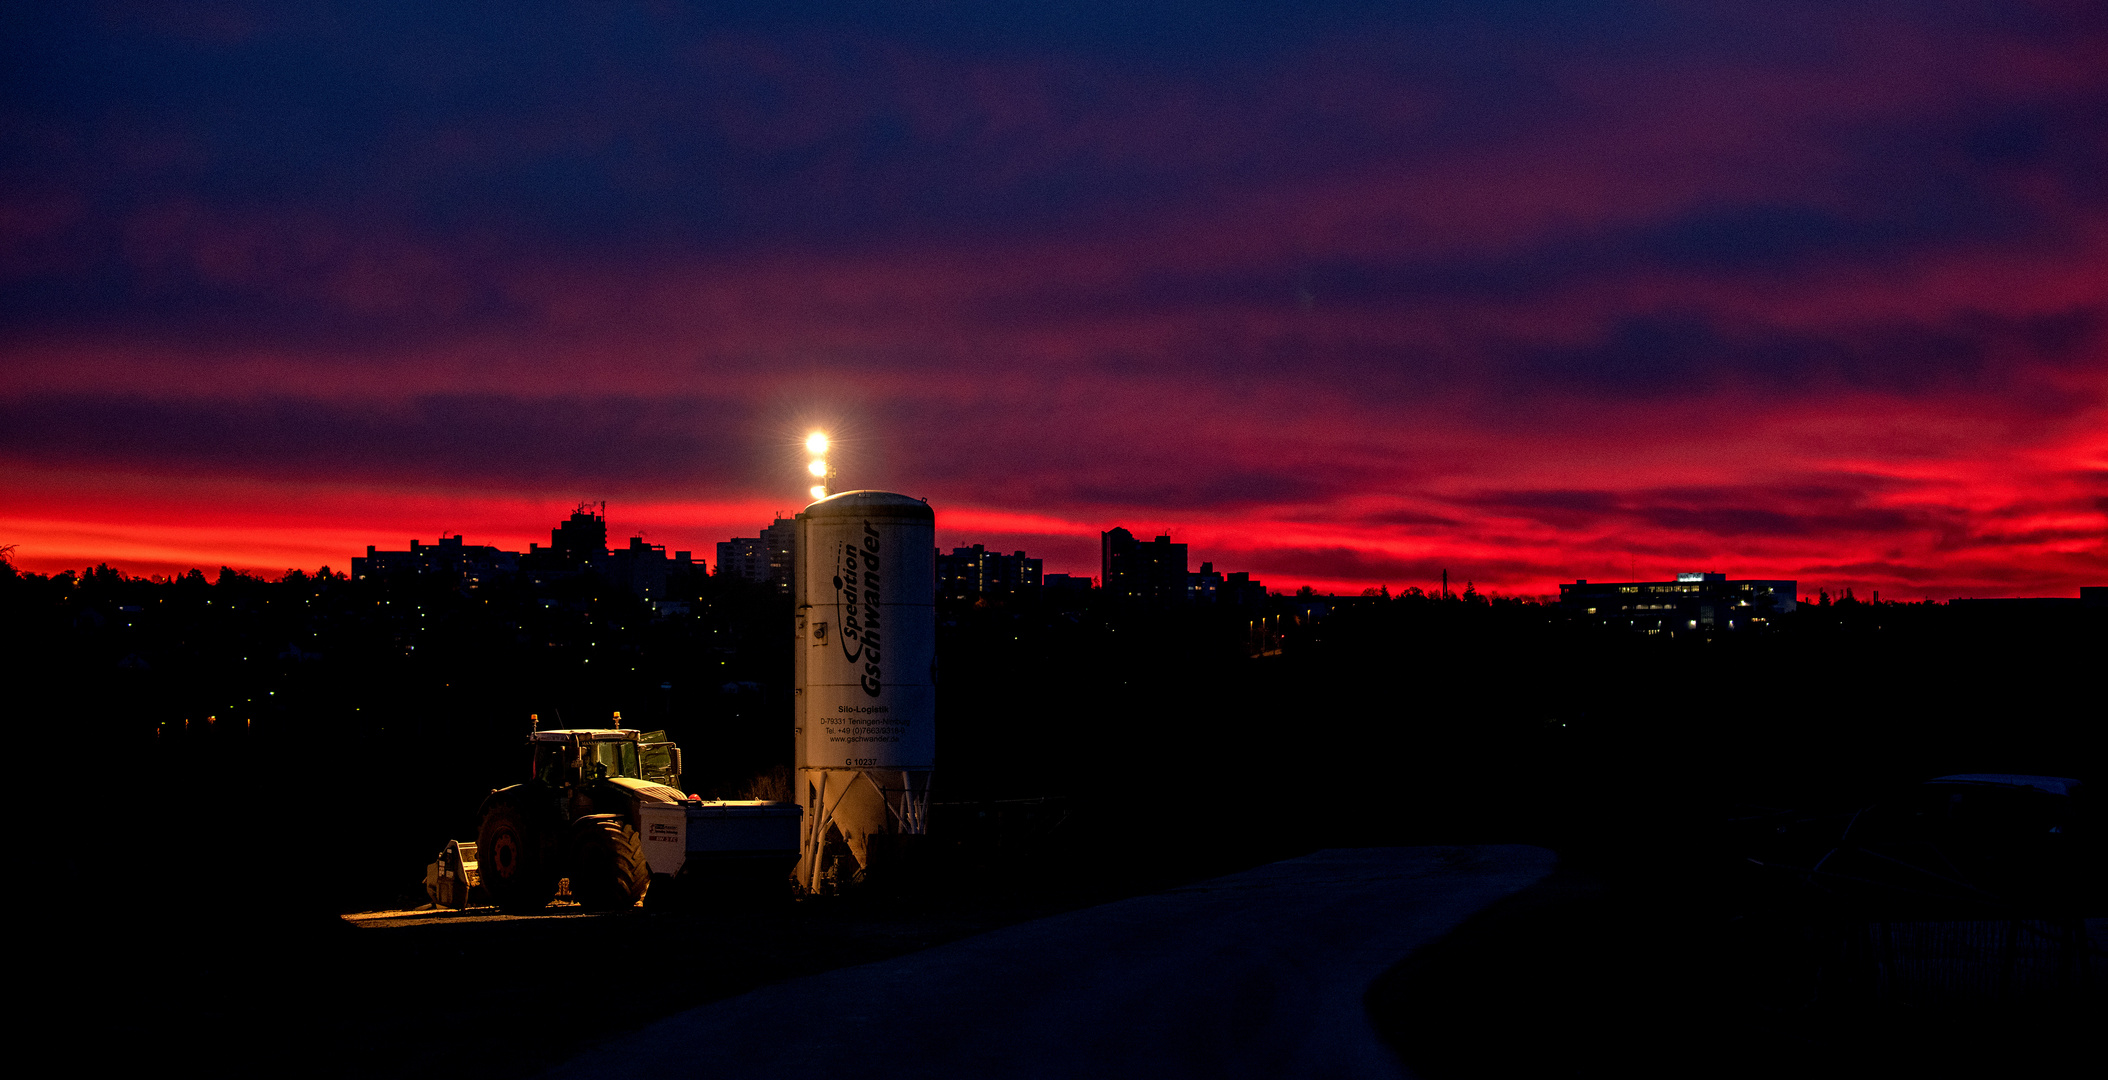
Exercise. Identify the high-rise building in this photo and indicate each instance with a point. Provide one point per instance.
(745, 558)
(576, 543)
(1152, 574)
(766, 558)
(579, 542)
(975, 573)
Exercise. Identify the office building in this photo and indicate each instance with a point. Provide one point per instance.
(1693, 602)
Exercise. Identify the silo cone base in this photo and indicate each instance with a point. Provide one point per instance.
(856, 837)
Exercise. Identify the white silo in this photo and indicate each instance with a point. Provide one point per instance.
(865, 706)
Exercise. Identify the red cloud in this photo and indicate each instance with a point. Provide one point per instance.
(1792, 293)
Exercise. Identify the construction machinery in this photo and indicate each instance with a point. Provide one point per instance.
(603, 817)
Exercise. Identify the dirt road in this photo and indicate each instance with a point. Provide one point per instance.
(1258, 974)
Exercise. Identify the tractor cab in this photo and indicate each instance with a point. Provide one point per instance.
(581, 756)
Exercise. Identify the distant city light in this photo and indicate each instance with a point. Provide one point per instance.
(816, 443)
(818, 467)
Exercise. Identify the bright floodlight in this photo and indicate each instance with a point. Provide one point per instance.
(818, 467)
(819, 491)
(816, 443)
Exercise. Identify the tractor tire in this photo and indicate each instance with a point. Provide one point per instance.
(608, 871)
(513, 861)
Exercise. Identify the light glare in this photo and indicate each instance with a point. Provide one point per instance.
(818, 467)
(816, 443)
(819, 491)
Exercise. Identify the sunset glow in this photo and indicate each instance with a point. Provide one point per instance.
(1344, 299)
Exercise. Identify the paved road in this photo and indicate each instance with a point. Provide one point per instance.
(1259, 974)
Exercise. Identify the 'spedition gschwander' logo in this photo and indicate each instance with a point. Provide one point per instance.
(856, 592)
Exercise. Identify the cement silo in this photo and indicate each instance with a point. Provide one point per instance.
(865, 650)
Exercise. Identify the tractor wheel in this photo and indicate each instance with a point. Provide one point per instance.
(608, 871)
(512, 861)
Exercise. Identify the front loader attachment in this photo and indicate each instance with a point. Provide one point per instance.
(451, 880)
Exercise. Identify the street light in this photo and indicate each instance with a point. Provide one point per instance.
(817, 444)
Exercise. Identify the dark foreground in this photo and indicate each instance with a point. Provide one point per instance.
(1579, 975)
(192, 920)
(464, 998)
(1259, 974)
(1599, 968)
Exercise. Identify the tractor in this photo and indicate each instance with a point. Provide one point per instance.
(604, 810)
(582, 817)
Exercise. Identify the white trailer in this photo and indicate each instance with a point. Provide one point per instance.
(741, 845)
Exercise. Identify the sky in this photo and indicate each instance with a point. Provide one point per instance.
(1345, 295)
